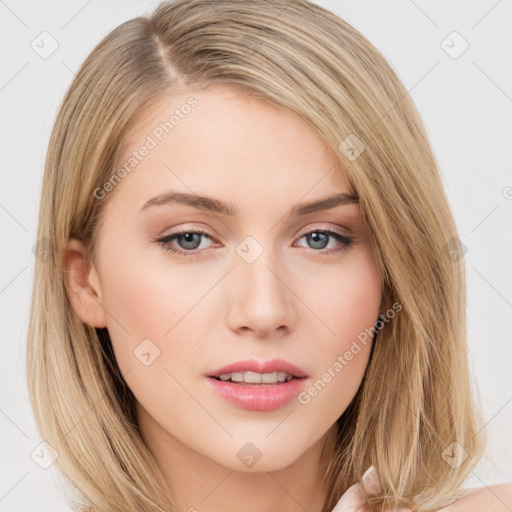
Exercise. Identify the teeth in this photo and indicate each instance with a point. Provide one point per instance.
(255, 378)
(282, 376)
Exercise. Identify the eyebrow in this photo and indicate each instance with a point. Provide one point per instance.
(217, 206)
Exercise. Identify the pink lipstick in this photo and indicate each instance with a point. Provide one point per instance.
(258, 386)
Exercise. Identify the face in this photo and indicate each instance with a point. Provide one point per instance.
(185, 287)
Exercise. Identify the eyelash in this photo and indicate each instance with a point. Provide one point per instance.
(345, 241)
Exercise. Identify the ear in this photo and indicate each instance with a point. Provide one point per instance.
(83, 285)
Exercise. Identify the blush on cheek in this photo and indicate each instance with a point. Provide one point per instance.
(134, 311)
(349, 306)
(143, 305)
(363, 295)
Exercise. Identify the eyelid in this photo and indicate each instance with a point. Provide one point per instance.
(186, 229)
(322, 226)
(344, 240)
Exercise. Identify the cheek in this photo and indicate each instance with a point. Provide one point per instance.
(142, 304)
(150, 330)
(347, 300)
(346, 297)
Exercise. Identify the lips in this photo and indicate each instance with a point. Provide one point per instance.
(257, 397)
(252, 365)
(263, 397)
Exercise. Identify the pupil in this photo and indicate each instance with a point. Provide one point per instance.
(189, 239)
(318, 240)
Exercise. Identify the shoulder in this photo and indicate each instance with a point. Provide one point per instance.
(493, 498)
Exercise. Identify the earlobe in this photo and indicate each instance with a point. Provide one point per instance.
(83, 285)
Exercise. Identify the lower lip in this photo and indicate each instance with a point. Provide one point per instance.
(258, 397)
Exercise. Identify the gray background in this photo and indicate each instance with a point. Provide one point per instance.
(465, 103)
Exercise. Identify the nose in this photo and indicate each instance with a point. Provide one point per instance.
(262, 298)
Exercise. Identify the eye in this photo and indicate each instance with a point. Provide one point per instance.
(189, 241)
(319, 239)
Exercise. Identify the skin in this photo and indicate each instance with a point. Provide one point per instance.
(494, 498)
(295, 301)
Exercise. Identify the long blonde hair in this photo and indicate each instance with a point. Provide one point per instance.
(416, 398)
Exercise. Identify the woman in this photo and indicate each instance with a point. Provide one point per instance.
(256, 282)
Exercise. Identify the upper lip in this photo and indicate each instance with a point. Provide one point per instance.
(252, 365)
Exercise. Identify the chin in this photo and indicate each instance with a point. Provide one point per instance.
(258, 456)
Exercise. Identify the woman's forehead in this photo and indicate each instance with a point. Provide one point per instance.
(225, 145)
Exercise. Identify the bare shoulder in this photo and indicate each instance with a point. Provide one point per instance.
(493, 498)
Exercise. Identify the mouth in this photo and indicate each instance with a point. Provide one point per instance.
(255, 378)
(258, 386)
(252, 371)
